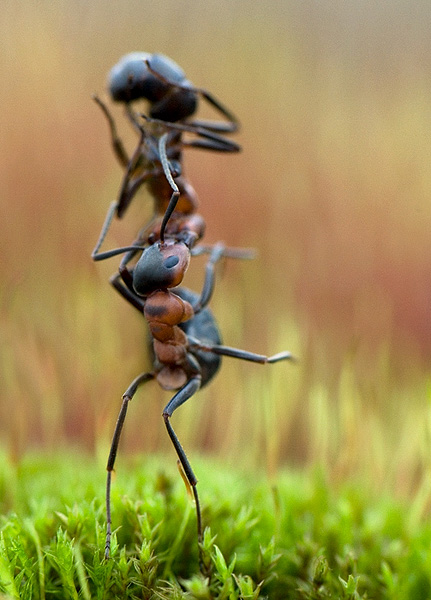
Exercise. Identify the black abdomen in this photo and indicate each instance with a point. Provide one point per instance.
(202, 327)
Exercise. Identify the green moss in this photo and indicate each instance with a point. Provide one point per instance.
(296, 537)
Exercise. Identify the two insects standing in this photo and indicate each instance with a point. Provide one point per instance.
(185, 340)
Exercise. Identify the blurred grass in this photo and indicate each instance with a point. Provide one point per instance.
(332, 187)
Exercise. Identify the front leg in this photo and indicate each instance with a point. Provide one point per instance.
(175, 190)
(231, 124)
(127, 396)
(117, 144)
(121, 284)
(186, 392)
(217, 251)
(195, 344)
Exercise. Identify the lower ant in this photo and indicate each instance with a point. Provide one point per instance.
(186, 342)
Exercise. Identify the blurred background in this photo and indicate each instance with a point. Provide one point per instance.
(333, 188)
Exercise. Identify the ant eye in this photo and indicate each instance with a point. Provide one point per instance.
(171, 261)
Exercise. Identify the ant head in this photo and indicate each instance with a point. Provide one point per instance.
(161, 266)
(130, 79)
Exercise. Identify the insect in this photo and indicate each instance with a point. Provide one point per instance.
(186, 342)
(157, 159)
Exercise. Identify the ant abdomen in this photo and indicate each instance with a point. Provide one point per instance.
(203, 327)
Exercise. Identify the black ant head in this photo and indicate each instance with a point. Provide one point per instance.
(161, 266)
(130, 79)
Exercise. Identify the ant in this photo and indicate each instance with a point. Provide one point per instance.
(186, 342)
(157, 159)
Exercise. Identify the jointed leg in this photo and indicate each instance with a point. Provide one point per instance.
(130, 251)
(127, 191)
(237, 353)
(217, 251)
(117, 143)
(117, 281)
(232, 122)
(96, 255)
(186, 392)
(175, 190)
(208, 139)
(131, 181)
(127, 396)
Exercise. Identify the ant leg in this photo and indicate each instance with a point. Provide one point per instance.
(122, 287)
(132, 116)
(116, 251)
(215, 126)
(231, 126)
(129, 251)
(116, 141)
(127, 191)
(125, 273)
(186, 392)
(127, 396)
(130, 184)
(222, 145)
(217, 251)
(241, 354)
(176, 192)
(95, 255)
(229, 252)
(211, 141)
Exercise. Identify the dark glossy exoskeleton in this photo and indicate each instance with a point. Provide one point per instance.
(160, 81)
(131, 79)
(186, 343)
(157, 159)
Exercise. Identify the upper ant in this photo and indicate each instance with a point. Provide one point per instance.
(157, 159)
(186, 343)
